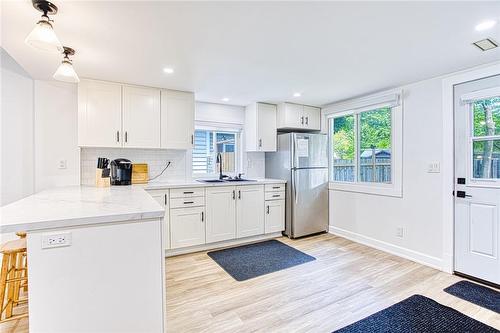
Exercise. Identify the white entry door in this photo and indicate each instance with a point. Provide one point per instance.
(477, 179)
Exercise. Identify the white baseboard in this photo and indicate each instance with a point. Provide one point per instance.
(399, 251)
(217, 245)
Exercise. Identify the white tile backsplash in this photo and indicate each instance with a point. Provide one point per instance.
(157, 159)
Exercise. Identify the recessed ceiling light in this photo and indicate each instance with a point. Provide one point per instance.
(225, 99)
(297, 94)
(168, 70)
(485, 25)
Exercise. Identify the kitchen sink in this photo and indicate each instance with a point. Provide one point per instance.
(210, 180)
(239, 180)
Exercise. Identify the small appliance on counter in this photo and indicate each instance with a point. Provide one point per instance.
(102, 173)
(140, 173)
(121, 172)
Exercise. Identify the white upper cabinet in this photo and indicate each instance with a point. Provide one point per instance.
(177, 119)
(99, 114)
(260, 127)
(141, 117)
(299, 117)
(118, 115)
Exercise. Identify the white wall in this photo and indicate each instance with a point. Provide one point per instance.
(17, 161)
(374, 219)
(56, 116)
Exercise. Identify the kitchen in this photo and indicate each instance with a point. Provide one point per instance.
(193, 181)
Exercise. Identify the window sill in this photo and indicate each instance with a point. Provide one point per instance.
(389, 190)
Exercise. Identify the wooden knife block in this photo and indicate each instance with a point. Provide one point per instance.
(101, 181)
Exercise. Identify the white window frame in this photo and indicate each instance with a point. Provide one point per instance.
(223, 128)
(392, 99)
(468, 100)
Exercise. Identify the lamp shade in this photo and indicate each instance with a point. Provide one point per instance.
(43, 37)
(66, 73)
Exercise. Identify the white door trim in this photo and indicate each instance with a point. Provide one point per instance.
(448, 153)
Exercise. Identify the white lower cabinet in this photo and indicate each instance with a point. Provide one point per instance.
(221, 212)
(275, 216)
(187, 227)
(162, 198)
(249, 210)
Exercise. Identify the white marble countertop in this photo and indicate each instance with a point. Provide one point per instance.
(195, 183)
(77, 206)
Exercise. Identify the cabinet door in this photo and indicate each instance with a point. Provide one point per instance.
(294, 115)
(266, 127)
(312, 117)
(141, 117)
(250, 210)
(177, 119)
(221, 213)
(275, 216)
(99, 114)
(162, 199)
(187, 227)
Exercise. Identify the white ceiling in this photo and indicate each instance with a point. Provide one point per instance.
(260, 51)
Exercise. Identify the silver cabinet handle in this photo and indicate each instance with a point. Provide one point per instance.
(126, 136)
(165, 200)
(302, 120)
(117, 136)
(234, 194)
(267, 209)
(276, 195)
(192, 139)
(307, 120)
(260, 143)
(188, 192)
(188, 202)
(239, 194)
(202, 216)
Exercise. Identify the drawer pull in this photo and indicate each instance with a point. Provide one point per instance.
(190, 192)
(276, 195)
(188, 202)
(276, 187)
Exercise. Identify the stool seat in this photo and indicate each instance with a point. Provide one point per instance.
(17, 245)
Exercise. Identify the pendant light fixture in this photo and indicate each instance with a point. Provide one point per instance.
(43, 36)
(66, 72)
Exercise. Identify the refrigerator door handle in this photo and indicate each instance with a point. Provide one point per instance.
(295, 186)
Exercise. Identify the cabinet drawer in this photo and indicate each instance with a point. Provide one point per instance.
(187, 192)
(275, 187)
(187, 202)
(275, 195)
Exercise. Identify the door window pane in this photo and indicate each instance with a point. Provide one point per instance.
(486, 159)
(486, 117)
(343, 148)
(375, 146)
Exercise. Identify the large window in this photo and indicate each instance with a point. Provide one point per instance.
(366, 145)
(362, 146)
(207, 143)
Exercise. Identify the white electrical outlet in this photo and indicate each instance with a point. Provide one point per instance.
(62, 164)
(434, 167)
(56, 240)
(400, 231)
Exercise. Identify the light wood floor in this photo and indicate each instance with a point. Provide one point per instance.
(347, 282)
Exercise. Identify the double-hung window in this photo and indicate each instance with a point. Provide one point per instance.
(365, 145)
(207, 144)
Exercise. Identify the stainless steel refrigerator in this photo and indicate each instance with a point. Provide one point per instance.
(302, 159)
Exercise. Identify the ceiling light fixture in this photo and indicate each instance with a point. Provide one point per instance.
(225, 99)
(485, 44)
(297, 94)
(43, 37)
(168, 70)
(66, 72)
(485, 25)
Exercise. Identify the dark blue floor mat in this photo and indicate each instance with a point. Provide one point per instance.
(252, 260)
(483, 296)
(418, 314)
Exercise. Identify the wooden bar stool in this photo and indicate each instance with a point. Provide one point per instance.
(13, 278)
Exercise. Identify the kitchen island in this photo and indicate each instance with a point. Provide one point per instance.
(96, 261)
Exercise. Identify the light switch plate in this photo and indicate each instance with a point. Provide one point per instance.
(434, 167)
(62, 164)
(56, 240)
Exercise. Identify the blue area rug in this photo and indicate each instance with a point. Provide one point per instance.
(252, 260)
(418, 314)
(483, 296)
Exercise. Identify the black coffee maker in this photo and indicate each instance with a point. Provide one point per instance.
(121, 172)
